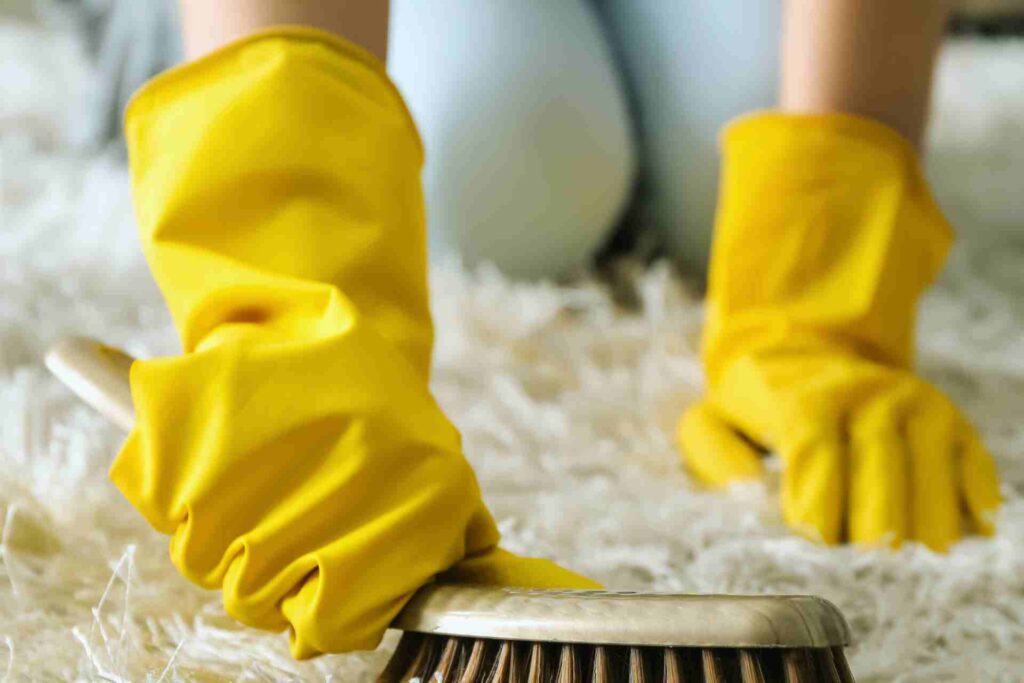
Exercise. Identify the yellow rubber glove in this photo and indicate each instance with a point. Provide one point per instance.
(825, 238)
(294, 451)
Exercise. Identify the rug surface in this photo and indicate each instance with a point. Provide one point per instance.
(567, 403)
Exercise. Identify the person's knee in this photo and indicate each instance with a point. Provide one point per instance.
(530, 157)
(692, 66)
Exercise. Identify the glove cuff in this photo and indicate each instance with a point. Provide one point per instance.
(240, 55)
(825, 238)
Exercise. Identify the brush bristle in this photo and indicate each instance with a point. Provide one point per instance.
(422, 658)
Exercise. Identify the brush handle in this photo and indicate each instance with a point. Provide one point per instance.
(99, 375)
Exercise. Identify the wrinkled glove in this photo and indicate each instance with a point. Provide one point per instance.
(294, 452)
(826, 237)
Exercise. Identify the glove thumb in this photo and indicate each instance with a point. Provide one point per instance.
(713, 451)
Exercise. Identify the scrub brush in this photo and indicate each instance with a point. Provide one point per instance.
(482, 634)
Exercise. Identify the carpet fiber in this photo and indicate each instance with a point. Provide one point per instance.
(567, 403)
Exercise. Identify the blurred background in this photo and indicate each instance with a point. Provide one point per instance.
(559, 133)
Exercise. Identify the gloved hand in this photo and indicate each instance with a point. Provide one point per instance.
(294, 451)
(825, 238)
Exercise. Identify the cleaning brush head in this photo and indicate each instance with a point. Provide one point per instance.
(477, 634)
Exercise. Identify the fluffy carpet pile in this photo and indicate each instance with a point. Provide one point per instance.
(567, 403)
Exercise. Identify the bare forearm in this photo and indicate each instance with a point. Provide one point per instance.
(868, 57)
(209, 24)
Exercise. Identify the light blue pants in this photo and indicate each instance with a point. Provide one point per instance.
(541, 118)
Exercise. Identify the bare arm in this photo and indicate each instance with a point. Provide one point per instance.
(868, 57)
(209, 24)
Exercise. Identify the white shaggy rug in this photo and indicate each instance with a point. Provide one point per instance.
(567, 404)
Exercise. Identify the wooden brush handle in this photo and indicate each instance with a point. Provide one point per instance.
(99, 374)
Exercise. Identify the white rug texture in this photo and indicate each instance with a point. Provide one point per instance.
(567, 403)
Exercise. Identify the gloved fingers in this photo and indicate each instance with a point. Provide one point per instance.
(879, 502)
(979, 480)
(812, 492)
(499, 567)
(935, 498)
(713, 451)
